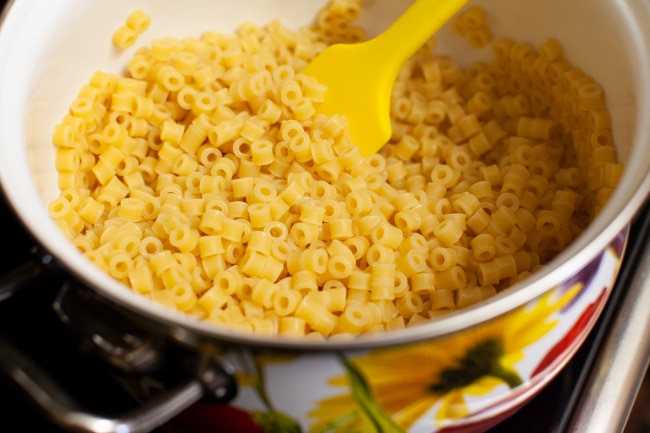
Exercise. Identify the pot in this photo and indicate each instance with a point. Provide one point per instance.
(464, 371)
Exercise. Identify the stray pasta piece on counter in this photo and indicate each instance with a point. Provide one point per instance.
(207, 180)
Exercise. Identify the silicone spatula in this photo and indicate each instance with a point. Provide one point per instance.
(360, 76)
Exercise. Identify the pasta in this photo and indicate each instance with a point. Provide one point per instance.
(207, 180)
(136, 23)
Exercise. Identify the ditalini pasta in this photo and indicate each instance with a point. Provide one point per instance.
(207, 180)
(136, 23)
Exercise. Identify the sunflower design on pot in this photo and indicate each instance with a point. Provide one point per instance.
(391, 390)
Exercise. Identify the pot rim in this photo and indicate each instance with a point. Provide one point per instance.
(612, 220)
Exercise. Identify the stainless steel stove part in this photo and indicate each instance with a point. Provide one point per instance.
(113, 338)
(618, 372)
(104, 332)
(114, 335)
(60, 408)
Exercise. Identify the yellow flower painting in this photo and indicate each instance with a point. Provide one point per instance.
(388, 390)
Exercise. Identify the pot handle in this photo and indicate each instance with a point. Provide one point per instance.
(65, 412)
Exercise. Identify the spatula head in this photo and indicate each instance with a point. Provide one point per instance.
(359, 87)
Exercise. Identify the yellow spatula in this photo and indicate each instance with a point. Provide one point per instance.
(360, 77)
